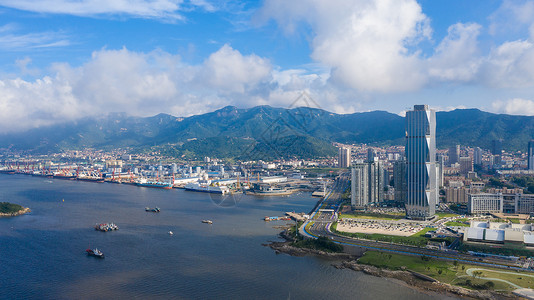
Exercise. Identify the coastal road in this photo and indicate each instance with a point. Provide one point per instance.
(326, 213)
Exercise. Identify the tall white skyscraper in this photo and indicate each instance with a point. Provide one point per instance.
(421, 198)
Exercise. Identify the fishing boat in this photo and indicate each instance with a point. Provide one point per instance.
(95, 252)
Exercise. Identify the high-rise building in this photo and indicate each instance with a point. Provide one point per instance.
(466, 165)
(496, 147)
(530, 154)
(344, 157)
(454, 154)
(422, 193)
(399, 181)
(477, 156)
(367, 183)
(371, 154)
(359, 185)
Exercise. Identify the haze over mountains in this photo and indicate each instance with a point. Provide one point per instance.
(268, 132)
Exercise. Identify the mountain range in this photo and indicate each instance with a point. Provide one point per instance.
(267, 132)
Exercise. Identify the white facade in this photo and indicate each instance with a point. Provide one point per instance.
(485, 203)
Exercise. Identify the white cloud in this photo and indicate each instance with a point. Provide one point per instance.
(228, 70)
(510, 65)
(161, 9)
(145, 84)
(516, 106)
(457, 56)
(372, 46)
(11, 40)
(511, 17)
(366, 43)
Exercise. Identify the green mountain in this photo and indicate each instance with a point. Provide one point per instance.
(267, 132)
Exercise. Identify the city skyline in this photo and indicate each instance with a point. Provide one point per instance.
(64, 60)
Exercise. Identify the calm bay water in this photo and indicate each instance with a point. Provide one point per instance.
(42, 254)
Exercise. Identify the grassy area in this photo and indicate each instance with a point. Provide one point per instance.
(371, 216)
(445, 215)
(8, 208)
(454, 223)
(521, 279)
(448, 272)
(423, 232)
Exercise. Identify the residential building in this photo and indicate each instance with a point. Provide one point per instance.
(466, 165)
(367, 183)
(530, 155)
(344, 157)
(454, 154)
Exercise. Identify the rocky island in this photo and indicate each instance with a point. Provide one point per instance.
(11, 210)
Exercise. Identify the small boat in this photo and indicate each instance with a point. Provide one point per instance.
(155, 209)
(95, 252)
(207, 221)
(171, 233)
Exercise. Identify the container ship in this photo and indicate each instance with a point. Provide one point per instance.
(196, 187)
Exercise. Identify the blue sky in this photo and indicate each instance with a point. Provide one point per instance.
(67, 59)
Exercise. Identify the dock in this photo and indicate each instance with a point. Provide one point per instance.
(297, 216)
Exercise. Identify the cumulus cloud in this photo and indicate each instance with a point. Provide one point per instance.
(516, 106)
(373, 45)
(510, 65)
(228, 70)
(145, 84)
(457, 56)
(366, 43)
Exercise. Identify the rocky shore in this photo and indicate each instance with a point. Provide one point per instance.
(424, 285)
(17, 213)
(412, 279)
(287, 248)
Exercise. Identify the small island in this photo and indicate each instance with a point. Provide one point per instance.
(11, 210)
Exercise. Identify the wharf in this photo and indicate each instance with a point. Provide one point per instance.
(297, 216)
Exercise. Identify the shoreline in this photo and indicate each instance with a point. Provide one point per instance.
(412, 279)
(23, 211)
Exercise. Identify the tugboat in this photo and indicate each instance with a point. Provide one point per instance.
(155, 209)
(207, 221)
(95, 252)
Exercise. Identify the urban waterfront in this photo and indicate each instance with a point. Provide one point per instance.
(43, 253)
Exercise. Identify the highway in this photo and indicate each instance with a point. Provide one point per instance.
(325, 215)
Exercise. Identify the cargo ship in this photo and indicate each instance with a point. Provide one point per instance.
(106, 227)
(64, 176)
(154, 184)
(196, 187)
(90, 178)
(267, 190)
